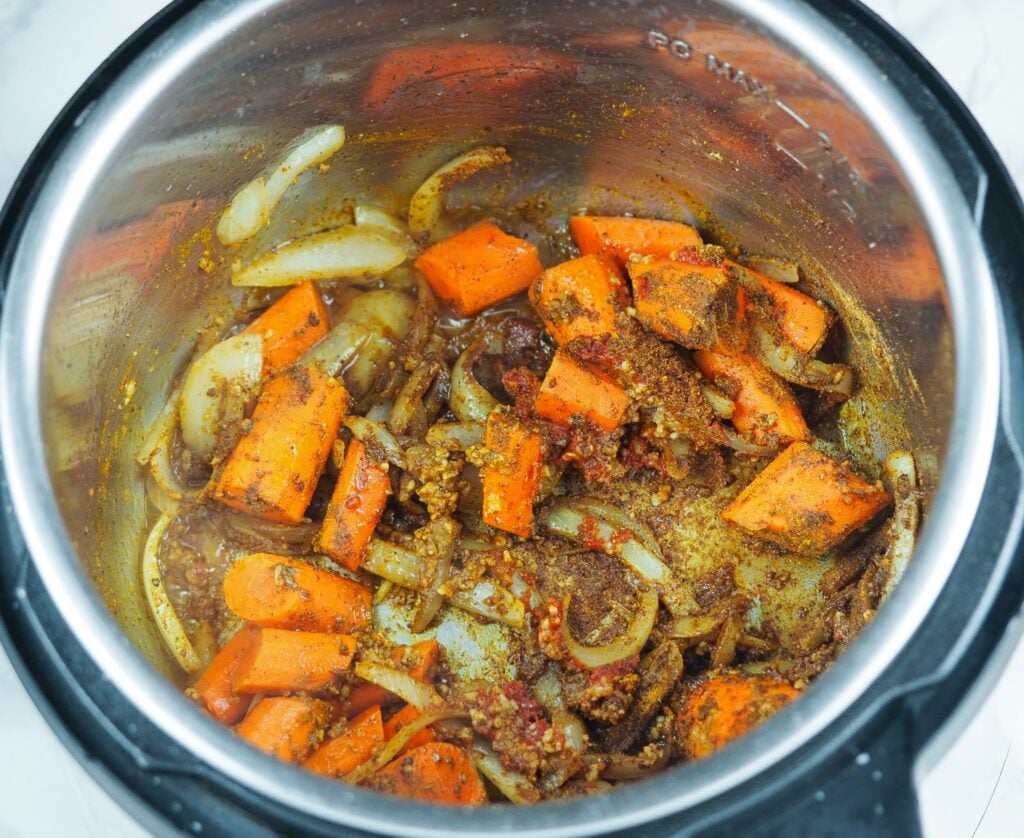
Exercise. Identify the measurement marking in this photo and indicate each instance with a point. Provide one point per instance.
(791, 156)
(786, 109)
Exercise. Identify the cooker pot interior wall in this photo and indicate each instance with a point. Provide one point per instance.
(690, 113)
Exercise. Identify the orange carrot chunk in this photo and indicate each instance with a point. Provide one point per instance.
(288, 727)
(407, 715)
(355, 508)
(806, 502)
(802, 319)
(285, 593)
(215, 687)
(479, 267)
(434, 773)
(621, 238)
(274, 468)
(291, 661)
(511, 477)
(727, 706)
(363, 737)
(580, 298)
(420, 661)
(572, 390)
(290, 326)
(765, 407)
(694, 305)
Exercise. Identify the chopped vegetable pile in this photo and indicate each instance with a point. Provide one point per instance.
(446, 521)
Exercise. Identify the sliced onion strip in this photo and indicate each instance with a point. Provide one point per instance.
(345, 253)
(901, 470)
(774, 267)
(163, 475)
(420, 695)
(427, 205)
(722, 405)
(567, 520)
(221, 381)
(410, 397)
(741, 445)
(441, 537)
(397, 742)
(777, 353)
(382, 444)
(616, 517)
(627, 766)
(166, 618)
(389, 561)
(405, 568)
(628, 644)
(510, 783)
(456, 436)
(162, 428)
(367, 216)
(469, 400)
(492, 602)
(255, 202)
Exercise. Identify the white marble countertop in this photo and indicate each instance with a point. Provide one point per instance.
(48, 47)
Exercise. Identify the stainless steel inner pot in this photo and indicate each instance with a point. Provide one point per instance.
(752, 117)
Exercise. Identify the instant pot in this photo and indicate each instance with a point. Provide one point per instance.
(808, 130)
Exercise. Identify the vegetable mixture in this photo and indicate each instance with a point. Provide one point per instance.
(446, 521)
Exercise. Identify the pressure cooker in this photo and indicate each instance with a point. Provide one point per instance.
(806, 128)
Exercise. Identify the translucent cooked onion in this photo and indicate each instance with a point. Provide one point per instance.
(725, 644)
(781, 270)
(632, 640)
(291, 539)
(420, 695)
(397, 742)
(469, 400)
(627, 766)
(901, 470)
(350, 252)
(427, 205)
(384, 590)
(455, 436)
(492, 602)
(162, 428)
(776, 352)
(389, 561)
(595, 532)
(255, 202)
(510, 783)
(572, 728)
(245, 214)
(367, 216)
(379, 441)
(410, 398)
(616, 517)
(721, 404)
(693, 626)
(163, 475)
(588, 525)
(167, 621)
(405, 568)
(440, 537)
(741, 445)
(158, 496)
(548, 691)
(220, 383)
(370, 328)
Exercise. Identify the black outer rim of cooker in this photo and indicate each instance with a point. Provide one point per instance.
(169, 790)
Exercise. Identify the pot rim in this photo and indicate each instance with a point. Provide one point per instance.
(976, 327)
